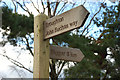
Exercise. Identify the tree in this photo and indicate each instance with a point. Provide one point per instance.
(21, 27)
(20, 30)
(111, 35)
(98, 66)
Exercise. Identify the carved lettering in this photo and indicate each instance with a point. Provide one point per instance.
(73, 55)
(73, 23)
(54, 22)
(59, 53)
(62, 53)
(49, 32)
(61, 28)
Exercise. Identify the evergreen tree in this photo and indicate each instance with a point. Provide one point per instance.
(16, 27)
(98, 66)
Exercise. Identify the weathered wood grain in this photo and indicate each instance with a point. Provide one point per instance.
(65, 22)
(63, 53)
(41, 49)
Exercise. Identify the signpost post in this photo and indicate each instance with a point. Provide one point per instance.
(41, 49)
(46, 28)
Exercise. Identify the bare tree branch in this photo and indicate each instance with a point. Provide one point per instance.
(35, 6)
(56, 6)
(84, 2)
(62, 8)
(49, 9)
(73, 5)
(61, 68)
(53, 70)
(14, 6)
(28, 46)
(16, 63)
(4, 3)
(13, 67)
(52, 5)
(105, 31)
(31, 37)
(23, 7)
(54, 41)
(92, 19)
(43, 6)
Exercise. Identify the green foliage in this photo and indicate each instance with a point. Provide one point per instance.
(111, 37)
(85, 68)
(18, 25)
(111, 24)
(98, 66)
(92, 65)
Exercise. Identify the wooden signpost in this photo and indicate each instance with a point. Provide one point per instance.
(65, 22)
(46, 28)
(63, 53)
(41, 49)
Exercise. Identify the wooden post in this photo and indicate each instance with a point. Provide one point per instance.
(41, 49)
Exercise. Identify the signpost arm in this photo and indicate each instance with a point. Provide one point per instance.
(41, 49)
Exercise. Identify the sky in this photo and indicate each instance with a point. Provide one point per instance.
(7, 69)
